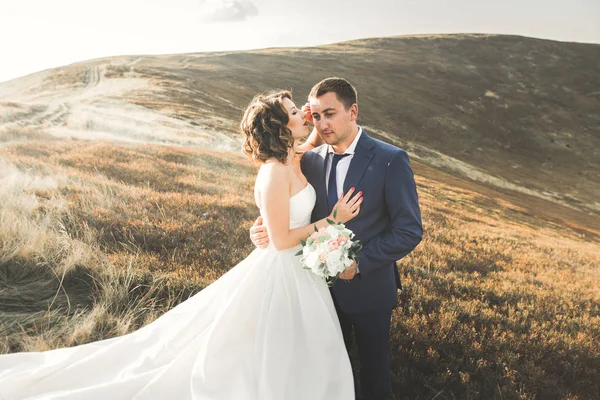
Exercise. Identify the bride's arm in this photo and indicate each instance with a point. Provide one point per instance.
(313, 140)
(275, 204)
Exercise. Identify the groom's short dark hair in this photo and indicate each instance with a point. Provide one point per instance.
(343, 90)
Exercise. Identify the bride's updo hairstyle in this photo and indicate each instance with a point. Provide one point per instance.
(265, 126)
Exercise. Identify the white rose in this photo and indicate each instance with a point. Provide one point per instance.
(333, 232)
(312, 260)
(322, 272)
(334, 262)
(323, 257)
(347, 262)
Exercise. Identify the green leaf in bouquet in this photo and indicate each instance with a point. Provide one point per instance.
(299, 253)
(335, 212)
(309, 241)
(330, 222)
(302, 242)
(331, 280)
(316, 229)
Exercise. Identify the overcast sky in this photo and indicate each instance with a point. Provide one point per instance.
(41, 34)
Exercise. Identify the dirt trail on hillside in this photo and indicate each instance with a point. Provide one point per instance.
(95, 107)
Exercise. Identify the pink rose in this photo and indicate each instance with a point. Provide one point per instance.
(314, 236)
(333, 245)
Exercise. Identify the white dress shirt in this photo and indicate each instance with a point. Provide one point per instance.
(342, 168)
(343, 164)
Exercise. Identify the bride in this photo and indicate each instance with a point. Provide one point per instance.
(266, 330)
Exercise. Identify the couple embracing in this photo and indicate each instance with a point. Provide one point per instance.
(348, 161)
(269, 329)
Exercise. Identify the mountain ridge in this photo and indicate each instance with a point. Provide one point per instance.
(515, 111)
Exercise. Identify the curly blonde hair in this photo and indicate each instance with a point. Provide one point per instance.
(265, 126)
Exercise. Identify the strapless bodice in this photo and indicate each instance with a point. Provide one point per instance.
(301, 206)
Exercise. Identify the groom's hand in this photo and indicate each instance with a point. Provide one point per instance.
(258, 234)
(349, 273)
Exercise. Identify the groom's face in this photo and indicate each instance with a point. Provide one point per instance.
(331, 119)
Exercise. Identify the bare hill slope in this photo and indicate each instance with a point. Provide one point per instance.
(516, 113)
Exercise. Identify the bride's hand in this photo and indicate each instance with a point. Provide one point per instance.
(347, 207)
(306, 109)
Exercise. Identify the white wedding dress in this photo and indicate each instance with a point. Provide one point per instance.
(266, 330)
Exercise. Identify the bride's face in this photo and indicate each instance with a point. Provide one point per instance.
(297, 123)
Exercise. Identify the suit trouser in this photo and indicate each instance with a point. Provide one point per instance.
(371, 331)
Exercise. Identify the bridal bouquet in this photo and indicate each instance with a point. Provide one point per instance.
(329, 251)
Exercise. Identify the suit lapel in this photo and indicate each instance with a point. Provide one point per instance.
(363, 154)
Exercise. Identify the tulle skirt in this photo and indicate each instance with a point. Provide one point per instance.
(266, 330)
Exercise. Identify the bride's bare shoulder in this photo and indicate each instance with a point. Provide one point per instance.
(272, 172)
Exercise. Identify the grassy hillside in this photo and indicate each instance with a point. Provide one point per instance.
(98, 239)
(506, 110)
(124, 192)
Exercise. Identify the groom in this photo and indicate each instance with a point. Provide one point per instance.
(389, 223)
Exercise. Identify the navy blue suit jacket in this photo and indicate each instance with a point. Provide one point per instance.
(389, 222)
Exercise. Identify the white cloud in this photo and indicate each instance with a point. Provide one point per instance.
(229, 10)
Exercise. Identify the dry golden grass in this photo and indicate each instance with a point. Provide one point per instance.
(492, 309)
(501, 299)
(126, 242)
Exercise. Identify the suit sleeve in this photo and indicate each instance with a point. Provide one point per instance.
(406, 228)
